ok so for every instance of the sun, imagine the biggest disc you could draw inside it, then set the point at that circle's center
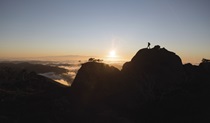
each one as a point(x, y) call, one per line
point(112, 54)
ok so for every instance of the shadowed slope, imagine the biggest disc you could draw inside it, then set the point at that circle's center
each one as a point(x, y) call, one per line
point(28, 97)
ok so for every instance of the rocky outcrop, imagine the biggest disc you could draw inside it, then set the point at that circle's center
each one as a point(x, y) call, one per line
point(94, 83)
point(153, 87)
point(205, 66)
point(155, 71)
point(92, 92)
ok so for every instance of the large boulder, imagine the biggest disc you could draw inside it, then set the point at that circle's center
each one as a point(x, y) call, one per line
point(155, 71)
point(94, 83)
point(93, 92)
point(148, 80)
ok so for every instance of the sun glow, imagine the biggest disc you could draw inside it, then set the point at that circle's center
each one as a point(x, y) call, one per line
point(112, 54)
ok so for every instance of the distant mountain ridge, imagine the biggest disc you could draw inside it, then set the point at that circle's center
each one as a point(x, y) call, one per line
point(48, 58)
point(38, 68)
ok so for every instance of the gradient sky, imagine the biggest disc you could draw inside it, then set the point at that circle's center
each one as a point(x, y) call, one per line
point(94, 27)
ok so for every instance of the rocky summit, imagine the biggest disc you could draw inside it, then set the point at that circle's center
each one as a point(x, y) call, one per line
point(155, 71)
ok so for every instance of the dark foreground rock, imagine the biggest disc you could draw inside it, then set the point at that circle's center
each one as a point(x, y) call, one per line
point(153, 87)
point(92, 91)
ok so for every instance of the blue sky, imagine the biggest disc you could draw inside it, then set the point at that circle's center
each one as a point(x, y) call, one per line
point(94, 27)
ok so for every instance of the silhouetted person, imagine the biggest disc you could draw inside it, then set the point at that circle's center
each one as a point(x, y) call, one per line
point(148, 46)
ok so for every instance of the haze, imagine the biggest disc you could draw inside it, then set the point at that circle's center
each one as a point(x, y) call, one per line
point(97, 27)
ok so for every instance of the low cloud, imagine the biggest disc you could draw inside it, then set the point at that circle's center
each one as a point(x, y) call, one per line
point(65, 78)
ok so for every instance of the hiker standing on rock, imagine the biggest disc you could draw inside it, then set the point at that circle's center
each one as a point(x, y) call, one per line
point(148, 46)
